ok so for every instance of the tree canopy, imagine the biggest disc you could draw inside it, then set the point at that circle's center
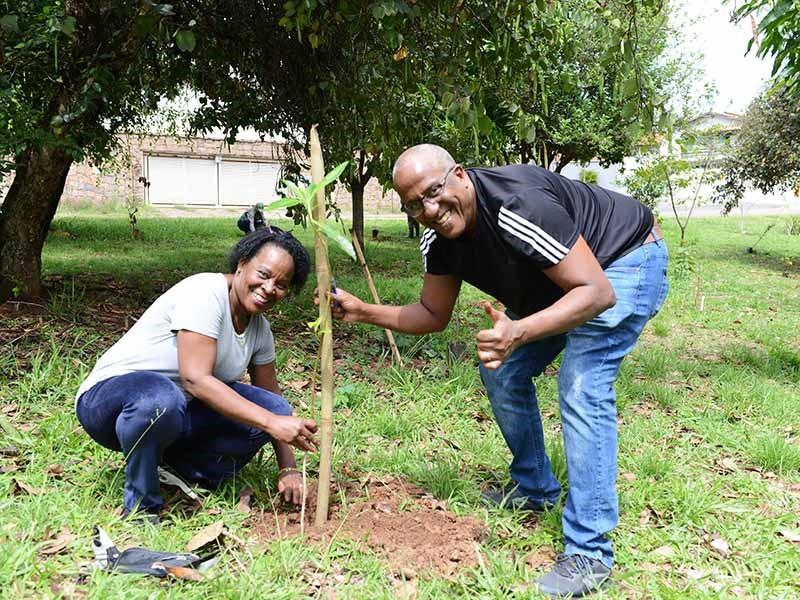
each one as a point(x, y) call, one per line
point(376, 75)
point(493, 82)
point(766, 153)
point(778, 36)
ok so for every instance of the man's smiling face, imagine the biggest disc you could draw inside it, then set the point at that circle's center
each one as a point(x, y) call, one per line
point(438, 196)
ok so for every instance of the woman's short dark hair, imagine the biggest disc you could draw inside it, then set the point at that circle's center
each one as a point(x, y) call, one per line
point(251, 244)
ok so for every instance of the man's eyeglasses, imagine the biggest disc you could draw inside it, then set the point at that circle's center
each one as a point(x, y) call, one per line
point(415, 208)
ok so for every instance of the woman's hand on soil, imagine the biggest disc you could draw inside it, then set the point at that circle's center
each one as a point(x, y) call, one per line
point(294, 431)
point(290, 484)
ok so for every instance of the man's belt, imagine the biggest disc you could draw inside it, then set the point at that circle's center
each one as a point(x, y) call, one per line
point(654, 235)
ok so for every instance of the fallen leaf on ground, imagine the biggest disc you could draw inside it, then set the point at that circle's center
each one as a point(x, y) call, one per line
point(728, 465)
point(628, 476)
point(55, 470)
point(18, 486)
point(9, 451)
point(791, 535)
point(693, 574)
point(404, 588)
point(297, 385)
point(540, 557)
point(205, 536)
point(645, 516)
point(721, 546)
point(664, 552)
point(244, 500)
point(737, 591)
point(653, 568)
point(64, 539)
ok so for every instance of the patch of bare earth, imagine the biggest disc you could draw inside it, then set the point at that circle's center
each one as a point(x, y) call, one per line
point(413, 531)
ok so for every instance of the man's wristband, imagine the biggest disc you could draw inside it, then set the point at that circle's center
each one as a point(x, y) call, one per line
point(285, 470)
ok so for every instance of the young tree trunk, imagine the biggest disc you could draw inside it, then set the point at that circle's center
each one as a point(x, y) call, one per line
point(562, 162)
point(326, 352)
point(25, 218)
point(357, 191)
point(358, 183)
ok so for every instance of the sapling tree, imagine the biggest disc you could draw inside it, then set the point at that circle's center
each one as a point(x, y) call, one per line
point(312, 198)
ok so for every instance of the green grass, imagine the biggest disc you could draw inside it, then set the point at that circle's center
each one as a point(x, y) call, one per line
point(709, 427)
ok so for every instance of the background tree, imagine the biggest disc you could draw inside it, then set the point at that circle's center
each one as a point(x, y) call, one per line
point(581, 98)
point(383, 75)
point(72, 75)
point(767, 151)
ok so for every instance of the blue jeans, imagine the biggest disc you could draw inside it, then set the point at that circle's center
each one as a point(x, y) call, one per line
point(593, 353)
point(146, 417)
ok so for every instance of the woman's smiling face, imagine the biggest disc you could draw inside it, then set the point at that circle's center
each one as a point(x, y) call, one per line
point(264, 280)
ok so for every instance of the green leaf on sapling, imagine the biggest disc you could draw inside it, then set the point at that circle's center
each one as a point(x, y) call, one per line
point(284, 203)
point(334, 234)
point(185, 40)
point(10, 23)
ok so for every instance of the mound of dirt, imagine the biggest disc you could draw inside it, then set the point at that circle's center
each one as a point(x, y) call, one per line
point(410, 528)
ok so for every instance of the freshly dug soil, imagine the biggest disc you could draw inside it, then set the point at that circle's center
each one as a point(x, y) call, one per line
point(411, 529)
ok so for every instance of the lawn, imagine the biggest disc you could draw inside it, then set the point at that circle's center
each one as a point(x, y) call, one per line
point(709, 475)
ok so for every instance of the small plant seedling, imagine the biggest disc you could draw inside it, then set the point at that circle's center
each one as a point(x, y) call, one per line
point(312, 198)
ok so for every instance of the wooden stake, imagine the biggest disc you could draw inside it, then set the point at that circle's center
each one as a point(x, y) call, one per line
point(375, 298)
point(326, 362)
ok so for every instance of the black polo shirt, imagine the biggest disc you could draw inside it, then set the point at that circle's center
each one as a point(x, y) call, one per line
point(528, 219)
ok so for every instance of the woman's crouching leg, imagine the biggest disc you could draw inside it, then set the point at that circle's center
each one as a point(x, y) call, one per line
point(140, 414)
point(215, 447)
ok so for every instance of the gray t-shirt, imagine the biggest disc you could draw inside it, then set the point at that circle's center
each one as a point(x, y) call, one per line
point(199, 303)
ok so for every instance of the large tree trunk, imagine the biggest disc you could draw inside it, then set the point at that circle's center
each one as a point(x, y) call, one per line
point(25, 218)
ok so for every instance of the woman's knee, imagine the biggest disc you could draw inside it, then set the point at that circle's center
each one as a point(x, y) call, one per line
point(155, 402)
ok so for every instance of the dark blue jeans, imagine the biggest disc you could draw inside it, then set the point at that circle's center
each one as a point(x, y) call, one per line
point(593, 353)
point(146, 417)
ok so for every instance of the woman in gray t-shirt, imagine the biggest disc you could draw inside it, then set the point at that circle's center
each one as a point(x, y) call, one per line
point(168, 391)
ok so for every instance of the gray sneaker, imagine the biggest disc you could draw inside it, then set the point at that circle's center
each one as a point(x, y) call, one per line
point(511, 498)
point(573, 576)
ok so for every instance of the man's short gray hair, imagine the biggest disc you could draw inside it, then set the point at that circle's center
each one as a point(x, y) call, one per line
point(426, 153)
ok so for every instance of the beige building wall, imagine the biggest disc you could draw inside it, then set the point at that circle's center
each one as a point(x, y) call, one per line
point(118, 179)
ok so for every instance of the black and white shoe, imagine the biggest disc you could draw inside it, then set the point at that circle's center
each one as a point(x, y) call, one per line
point(573, 576)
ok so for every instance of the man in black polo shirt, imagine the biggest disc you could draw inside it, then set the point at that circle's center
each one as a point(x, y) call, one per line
point(580, 269)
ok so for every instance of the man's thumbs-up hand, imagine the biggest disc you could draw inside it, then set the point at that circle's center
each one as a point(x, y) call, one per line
point(497, 344)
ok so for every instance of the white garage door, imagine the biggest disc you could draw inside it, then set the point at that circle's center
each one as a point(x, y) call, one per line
point(245, 183)
point(176, 180)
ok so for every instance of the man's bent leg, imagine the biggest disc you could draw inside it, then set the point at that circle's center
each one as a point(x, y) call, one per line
point(512, 394)
point(591, 362)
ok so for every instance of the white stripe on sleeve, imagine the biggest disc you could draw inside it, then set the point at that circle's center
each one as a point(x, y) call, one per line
point(426, 241)
point(532, 234)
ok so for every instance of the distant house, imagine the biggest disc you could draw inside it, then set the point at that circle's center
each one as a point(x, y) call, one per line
point(712, 133)
point(165, 170)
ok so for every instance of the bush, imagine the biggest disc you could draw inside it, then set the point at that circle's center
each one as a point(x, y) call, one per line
point(588, 176)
